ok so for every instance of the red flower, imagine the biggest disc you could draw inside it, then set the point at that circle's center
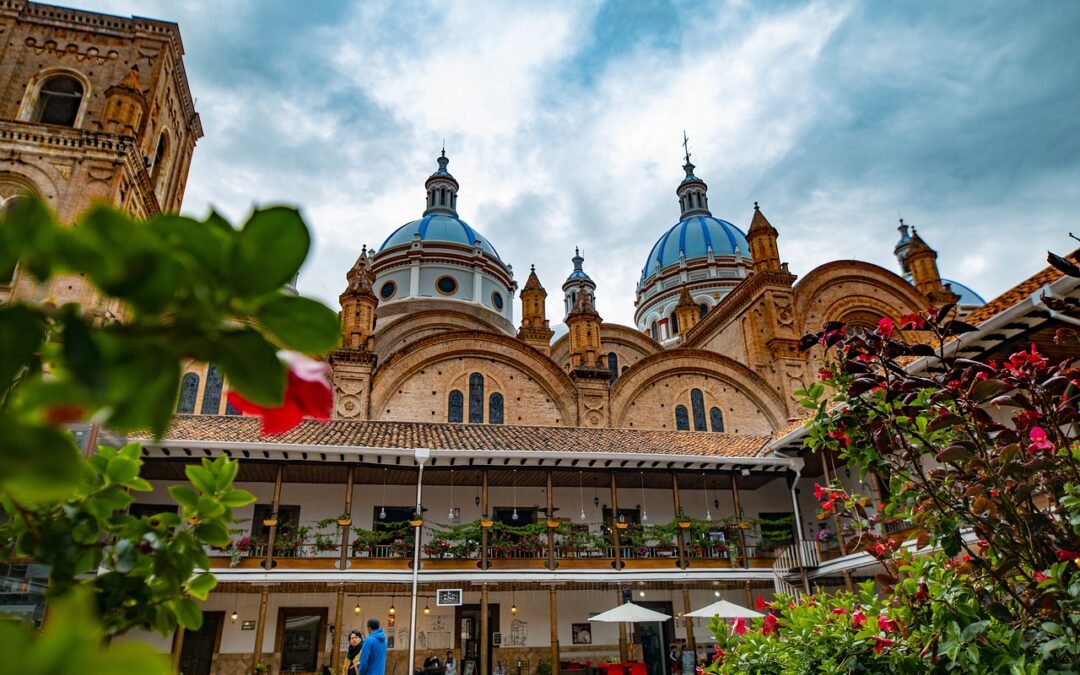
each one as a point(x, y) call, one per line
point(858, 619)
point(912, 322)
point(768, 626)
point(826, 506)
point(885, 327)
point(738, 626)
point(1040, 577)
point(840, 435)
point(759, 604)
point(881, 643)
point(307, 394)
point(839, 610)
point(819, 492)
point(886, 624)
point(1065, 556)
point(719, 655)
point(825, 374)
point(1039, 441)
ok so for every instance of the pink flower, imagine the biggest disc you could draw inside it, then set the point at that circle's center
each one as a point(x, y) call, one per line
point(738, 626)
point(307, 394)
point(885, 327)
point(819, 492)
point(858, 619)
point(1040, 577)
point(912, 322)
point(839, 611)
point(768, 626)
point(1039, 441)
point(881, 643)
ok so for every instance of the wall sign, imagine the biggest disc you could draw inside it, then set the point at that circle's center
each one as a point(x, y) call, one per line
point(448, 597)
point(247, 625)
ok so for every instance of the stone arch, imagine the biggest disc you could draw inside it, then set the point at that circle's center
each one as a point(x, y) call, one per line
point(33, 92)
point(405, 383)
point(401, 333)
point(844, 287)
point(741, 388)
point(629, 343)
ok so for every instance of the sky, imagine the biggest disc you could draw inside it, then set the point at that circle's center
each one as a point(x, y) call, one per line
point(564, 126)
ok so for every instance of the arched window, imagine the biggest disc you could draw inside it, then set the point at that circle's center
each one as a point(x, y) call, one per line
point(655, 330)
point(613, 365)
point(476, 398)
point(495, 409)
point(158, 167)
point(58, 101)
point(674, 324)
point(9, 196)
point(697, 404)
point(189, 389)
point(456, 407)
point(682, 421)
point(703, 309)
point(717, 420)
point(211, 400)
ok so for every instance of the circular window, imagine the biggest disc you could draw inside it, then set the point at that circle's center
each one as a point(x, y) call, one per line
point(446, 285)
point(496, 299)
point(387, 291)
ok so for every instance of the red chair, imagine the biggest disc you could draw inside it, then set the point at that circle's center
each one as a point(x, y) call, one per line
point(638, 669)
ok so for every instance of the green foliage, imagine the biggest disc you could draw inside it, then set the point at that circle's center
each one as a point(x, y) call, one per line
point(172, 289)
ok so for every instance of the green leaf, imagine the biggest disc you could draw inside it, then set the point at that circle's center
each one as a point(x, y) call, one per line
point(237, 498)
point(301, 324)
point(252, 366)
point(21, 333)
point(184, 496)
point(37, 464)
point(122, 469)
point(225, 470)
point(268, 252)
point(213, 533)
point(201, 586)
point(201, 478)
point(188, 614)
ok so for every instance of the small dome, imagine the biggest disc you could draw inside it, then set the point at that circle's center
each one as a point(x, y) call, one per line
point(692, 239)
point(968, 297)
point(437, 227)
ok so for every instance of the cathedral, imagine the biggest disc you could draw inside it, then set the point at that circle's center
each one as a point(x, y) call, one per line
point(480, 455)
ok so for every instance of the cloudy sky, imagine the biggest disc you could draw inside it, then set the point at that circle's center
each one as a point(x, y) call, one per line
point(564, 125)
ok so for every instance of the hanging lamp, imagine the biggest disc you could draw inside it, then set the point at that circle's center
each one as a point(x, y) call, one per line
point(705, 484)
point(450, 513)
point(581, 494)
point(382, 510)
point(514, 515)
point(644, 511)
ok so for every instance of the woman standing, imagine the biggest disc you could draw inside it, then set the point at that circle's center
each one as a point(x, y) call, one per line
point(352, 657)
point(450, 664)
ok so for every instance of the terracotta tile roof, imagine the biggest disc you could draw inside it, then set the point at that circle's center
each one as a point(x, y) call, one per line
point(1018, 292)
point(792, 425)
point(465, 437)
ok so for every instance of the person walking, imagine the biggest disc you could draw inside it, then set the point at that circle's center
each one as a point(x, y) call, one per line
point(373, 652)
point(674, 660)
point(352, 657)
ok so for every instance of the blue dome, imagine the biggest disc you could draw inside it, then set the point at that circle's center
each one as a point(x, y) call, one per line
point(439, 228)
point(968, 297)
point(692, 238)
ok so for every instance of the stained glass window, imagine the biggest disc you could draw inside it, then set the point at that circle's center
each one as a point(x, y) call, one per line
point(456, 407)
point(476, 398)
point(495, 409)
point(211, 401)
point(189, 389)
point(717, 419)
point(613, 365)
point(682, 420)
point(697, 403)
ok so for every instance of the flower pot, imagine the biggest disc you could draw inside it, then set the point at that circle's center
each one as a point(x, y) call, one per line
point(552, 524)
point(269, 522)
point(744, 526)
point(487, 523)
point(684, 524)
point(621, 526)
point(344, 522)
point(417, 522)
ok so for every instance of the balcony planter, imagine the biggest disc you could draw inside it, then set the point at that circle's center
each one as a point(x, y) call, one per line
point(684, 524)
point(622, 526)
point(553, 524)
point(416, 522)
point(486, 523)
point(269, 522)
point(344, 522)
point(745, 526)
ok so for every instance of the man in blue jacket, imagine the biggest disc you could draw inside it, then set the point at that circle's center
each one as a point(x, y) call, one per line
point(373, 653)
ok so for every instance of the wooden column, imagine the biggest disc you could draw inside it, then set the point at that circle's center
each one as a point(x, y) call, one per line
point(269, 562)
point(738, 519)
point(260, 627)
point(178, 648)
point(615, 524)
point(335, 644)
point(624, 655)
point(554, 631)
point(484, 531)
point(749, 595)
point(343, 561)
point(551, 564)
point(691, 641)
point(680, 537)
point(485, 667)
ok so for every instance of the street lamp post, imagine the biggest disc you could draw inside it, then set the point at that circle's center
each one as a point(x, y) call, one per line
point(421, 455)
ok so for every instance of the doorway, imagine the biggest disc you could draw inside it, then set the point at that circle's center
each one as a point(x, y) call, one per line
point(197, 652)
point(301, 638)
point(468, 618)
point(656, 638)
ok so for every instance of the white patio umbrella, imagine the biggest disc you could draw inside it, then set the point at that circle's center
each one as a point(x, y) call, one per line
point(725, 610)
point(630, 613)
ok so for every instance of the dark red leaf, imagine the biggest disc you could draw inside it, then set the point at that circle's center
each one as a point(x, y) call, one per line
point(807, 342)
point(954, 453)
point(1066, 267)
point(957, 327)
point(944, 312)
point(987, 389)
point(920, 349)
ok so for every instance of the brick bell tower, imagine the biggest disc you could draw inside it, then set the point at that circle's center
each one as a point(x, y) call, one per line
point(535, 330)
point(355, 360)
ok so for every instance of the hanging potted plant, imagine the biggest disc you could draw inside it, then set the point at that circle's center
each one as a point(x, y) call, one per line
point(417, 520)
point(345, 519)
point(270, 520)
